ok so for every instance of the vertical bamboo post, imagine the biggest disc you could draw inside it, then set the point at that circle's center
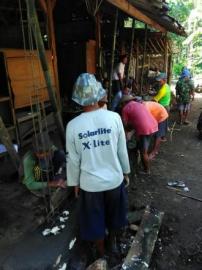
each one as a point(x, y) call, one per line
point(52, 41)
point(34, 23)
point(6, 141)
point(131, 47)
point(166, 55)
point(98, 39)
point(170, 68)
point(143, 59)
point(137, 62)
point(112, 56)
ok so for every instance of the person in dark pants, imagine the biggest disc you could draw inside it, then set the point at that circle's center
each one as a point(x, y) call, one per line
point(118, 81)
point(43, 166)
point(97, 164)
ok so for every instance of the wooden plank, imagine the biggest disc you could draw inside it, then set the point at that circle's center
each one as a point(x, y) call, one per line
point(91, 56)
point(43, 5)
point(139, 255)
point(125, 6)
point(6, 140)
point(2, 99)
point(26, 76)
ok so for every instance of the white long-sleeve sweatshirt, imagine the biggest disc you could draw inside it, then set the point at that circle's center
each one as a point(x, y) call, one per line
point(97, 154)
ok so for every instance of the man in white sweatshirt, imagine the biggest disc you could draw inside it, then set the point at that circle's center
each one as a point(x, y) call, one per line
point(97, 163)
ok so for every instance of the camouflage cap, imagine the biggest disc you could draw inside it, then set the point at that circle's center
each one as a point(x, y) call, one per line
point(161, 76)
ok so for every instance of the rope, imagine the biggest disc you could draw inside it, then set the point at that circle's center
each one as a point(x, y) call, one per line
point(36, 107)
point(93, 6)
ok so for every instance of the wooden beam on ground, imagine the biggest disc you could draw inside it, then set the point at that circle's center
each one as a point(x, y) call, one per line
point(125, 6)
point(6, 141)
point(140, 253)
point(188, 196)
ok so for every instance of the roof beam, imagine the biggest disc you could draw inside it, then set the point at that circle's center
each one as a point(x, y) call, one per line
point(125, 6)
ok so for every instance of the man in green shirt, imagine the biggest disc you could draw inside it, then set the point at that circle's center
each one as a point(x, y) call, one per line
point(163, 97)
point(43, 166)
point(184, 94)
point(164, 94)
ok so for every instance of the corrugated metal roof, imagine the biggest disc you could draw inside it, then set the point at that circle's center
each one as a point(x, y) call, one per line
point(158, 11)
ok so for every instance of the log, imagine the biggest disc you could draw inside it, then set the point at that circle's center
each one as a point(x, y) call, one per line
point(135, 216)
point(140, 253)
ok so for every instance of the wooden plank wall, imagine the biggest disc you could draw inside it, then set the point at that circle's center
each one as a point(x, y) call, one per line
point(26, 76)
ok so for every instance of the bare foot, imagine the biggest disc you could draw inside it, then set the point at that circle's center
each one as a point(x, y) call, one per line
point(152, 156)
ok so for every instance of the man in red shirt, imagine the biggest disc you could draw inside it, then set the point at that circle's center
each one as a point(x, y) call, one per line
point(136, 116)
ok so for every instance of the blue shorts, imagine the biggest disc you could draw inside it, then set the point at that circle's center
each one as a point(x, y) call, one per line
point(100, 211)
point(184, 107)
point(162, 129)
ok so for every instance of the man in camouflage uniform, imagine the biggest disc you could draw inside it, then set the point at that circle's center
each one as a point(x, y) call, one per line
point(184, 95)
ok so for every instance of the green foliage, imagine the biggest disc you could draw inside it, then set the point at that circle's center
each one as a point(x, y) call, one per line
point(177, 68)
point(181, 9)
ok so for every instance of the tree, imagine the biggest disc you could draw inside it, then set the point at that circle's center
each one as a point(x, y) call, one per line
point(180, 9)
point(188, 50)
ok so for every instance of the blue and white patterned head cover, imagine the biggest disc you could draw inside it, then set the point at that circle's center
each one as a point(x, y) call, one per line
point(185, 73)
point(87, 90)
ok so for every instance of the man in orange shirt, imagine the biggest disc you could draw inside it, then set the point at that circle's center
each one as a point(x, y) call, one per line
point(161, 116)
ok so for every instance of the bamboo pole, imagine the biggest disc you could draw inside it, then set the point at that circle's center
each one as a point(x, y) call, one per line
point(52, 41)
point(137, 62)
point(6, 141)
point(98, 39)
point(143, 59)
point(112, 57)
point(166, 55)
point(33, 20)
point(131, 47)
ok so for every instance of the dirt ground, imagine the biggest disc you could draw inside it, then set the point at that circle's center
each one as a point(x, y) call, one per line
point(179, 245)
